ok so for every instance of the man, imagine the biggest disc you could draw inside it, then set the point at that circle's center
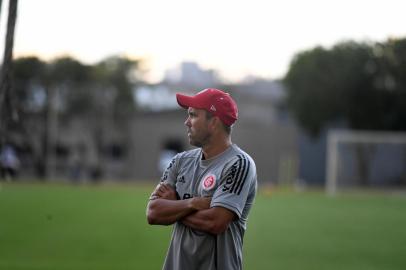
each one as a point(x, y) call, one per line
point(206, 192)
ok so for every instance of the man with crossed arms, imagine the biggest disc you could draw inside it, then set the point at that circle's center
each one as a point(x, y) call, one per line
point(206, 192)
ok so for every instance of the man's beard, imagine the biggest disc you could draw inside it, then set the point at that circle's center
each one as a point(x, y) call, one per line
point(200, 142)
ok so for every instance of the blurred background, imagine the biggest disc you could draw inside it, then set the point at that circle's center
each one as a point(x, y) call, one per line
point(87, 96)
point(88, 89)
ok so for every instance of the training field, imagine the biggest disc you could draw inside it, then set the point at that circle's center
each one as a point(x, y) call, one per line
point(58, 227)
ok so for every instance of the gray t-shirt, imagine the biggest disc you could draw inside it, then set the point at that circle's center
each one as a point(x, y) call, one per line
point(231, 179)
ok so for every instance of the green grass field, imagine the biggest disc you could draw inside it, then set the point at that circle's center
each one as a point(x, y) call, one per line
point(104, 227)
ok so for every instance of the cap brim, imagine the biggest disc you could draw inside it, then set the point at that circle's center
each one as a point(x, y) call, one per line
point(185, 101)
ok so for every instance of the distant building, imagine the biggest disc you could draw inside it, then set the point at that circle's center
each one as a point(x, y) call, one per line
point(190, 74)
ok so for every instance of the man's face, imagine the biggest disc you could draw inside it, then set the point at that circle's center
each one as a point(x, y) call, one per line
point(197, 127)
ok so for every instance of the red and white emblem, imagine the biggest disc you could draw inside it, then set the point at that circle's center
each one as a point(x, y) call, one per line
point(209, 181)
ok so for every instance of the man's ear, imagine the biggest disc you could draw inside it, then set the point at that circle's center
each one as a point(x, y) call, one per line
point(216, 122)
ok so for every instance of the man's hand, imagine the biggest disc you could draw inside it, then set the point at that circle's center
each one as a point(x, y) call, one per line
point(163, 191)
point(200, 203)
point(164, 208)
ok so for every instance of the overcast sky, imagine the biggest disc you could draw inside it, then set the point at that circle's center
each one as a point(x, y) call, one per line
point(238, 38)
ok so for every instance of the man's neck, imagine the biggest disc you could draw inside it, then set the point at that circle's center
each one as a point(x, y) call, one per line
point(212, 150)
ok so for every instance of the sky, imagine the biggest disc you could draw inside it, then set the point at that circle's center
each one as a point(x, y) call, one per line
point(237, 38)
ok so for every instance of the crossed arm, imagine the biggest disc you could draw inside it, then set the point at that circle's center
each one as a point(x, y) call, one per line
point(164, 209)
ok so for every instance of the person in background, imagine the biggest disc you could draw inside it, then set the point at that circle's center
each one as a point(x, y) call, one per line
point(9, 163)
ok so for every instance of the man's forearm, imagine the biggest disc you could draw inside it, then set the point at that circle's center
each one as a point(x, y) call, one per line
point(164, 209)
point(214, 220)
point(166, 212)
point(200, 220)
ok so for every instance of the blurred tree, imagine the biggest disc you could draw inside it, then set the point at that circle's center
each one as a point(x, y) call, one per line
point(390, 80)
point(117, 76)
point(64, 77)
point(362, 84)
point(68, 87)
point(115, 80)
point(29, 78)
point(359, 83)
point(56, 93)
point(29, 74)
point(319, 80)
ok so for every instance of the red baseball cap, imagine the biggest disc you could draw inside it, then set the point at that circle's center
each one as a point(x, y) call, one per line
point(213, 100)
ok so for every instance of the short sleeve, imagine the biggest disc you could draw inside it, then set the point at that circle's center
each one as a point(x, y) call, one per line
point(235, 185)
point(170, 174)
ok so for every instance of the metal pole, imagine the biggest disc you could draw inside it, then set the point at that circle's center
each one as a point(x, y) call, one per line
point(331, 185)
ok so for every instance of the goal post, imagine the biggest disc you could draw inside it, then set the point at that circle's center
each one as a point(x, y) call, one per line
point(337, 139)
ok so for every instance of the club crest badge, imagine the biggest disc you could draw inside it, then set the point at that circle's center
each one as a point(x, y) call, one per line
point(209, 181)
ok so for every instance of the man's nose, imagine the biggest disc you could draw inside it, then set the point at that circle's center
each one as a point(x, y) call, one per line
point(187, 122)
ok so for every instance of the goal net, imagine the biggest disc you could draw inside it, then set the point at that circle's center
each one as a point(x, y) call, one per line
point(364, 159)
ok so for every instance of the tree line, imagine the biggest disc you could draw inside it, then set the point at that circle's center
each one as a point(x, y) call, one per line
point(49, 94)
point(361, 84)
